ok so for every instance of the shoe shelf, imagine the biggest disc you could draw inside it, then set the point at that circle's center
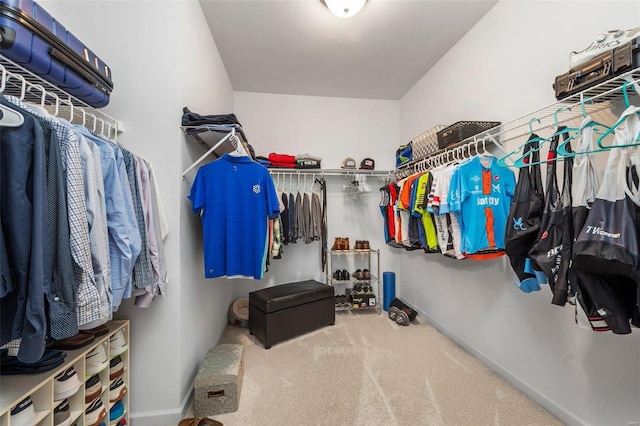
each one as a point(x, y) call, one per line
point(352, 252)
point(349, 292)
point(41, 388)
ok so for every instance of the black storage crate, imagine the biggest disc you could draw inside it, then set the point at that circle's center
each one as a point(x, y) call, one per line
point(462, 130)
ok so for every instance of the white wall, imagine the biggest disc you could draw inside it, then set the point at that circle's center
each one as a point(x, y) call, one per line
point(331, 128)
point(162, 58)
point(502, 69)
point(204, 88)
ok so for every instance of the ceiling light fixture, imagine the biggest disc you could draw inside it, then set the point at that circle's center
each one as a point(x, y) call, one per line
point(344, 8)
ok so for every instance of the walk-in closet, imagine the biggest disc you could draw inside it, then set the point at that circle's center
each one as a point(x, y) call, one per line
point(262, 148)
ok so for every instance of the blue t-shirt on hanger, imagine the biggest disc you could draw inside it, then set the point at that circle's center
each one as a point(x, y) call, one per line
point(235, 198)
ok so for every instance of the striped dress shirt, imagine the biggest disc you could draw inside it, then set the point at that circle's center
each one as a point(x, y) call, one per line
point(97, 233)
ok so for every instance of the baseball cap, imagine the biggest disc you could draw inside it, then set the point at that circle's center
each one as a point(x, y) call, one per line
point(367, 164)
point(348, 163)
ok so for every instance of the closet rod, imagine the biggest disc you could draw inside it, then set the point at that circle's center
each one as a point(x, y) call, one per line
point(206, 154)
point(331, 172)
point(28, 87)
point(447, 156)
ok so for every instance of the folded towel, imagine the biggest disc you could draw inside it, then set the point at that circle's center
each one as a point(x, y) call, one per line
point(282, 158)
point(308, 157)
point(307, 164)
point(275, 164)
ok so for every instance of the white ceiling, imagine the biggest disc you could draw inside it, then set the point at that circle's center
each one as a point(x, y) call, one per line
point(298, 47)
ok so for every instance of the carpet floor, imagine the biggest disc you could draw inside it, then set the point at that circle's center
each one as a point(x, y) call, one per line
point(367, 370)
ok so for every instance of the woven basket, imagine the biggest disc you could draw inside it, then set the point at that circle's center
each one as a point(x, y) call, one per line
point(426, 143)
point(462, 130)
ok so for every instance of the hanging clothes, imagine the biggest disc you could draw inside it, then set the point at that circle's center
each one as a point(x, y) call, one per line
point(586, 184)
point(606, 249)
point(551, 253)
point(124, 236)
point(429, 239)
point(23, 191)
point(480, 195)
point(64, 209)
point(445, 221)
point(525, 216)
point(235, 197)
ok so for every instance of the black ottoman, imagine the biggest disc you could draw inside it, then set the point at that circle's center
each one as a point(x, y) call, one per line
point(284, 311)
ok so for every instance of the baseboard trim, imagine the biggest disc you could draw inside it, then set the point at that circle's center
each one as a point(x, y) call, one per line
point(559, 412)
point(162, 417)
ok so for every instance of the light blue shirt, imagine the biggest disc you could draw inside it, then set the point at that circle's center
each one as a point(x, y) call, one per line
point(124, 237)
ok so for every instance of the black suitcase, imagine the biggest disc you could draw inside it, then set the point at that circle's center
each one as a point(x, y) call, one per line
point(32, 38)
point(599, 69)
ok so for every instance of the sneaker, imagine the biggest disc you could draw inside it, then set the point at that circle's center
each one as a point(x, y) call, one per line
point(62, 414)
point(606, 41)
point(96, 360)
point(94, 413)
point(66, 384)
point(92, 389)
point(116, 368)
point(116, 413)
point(23, 414)
point(345, 275)
point(117, 390)
point(117, 344)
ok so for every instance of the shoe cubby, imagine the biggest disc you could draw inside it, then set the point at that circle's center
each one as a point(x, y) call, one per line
point(40, 387)
point(42, 404)
point(76, 405)
point(354, 274)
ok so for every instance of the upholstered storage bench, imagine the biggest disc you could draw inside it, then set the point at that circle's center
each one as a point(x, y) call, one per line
point(288, 310)
point(216, 389)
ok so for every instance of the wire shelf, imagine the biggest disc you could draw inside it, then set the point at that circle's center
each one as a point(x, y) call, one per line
point(19, 82)
point(597, 98)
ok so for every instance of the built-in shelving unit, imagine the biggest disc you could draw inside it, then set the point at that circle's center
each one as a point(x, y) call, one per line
point(40, 386)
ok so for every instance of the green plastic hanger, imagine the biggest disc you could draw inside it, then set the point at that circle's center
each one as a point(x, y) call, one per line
point(502, 161)
point(522, 161)
point(562, 151)
point(617, 123)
